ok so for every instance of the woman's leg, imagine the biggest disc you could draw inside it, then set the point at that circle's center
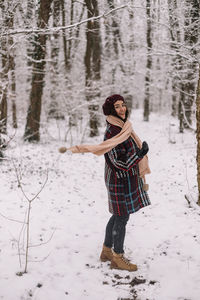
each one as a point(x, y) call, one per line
point(108, 242)
point(118, 233)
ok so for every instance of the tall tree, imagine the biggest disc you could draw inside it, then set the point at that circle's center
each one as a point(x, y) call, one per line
point(149, 62)
point(174, 44)
point(70, 46)
point(191, 37)
point(67, 45)
point(4, 71)
point(198, 136)
point(71, 42)
point(177, 61)
point(8, 65)
point(54, 109)
point(29, 21)
point(113, 44)
point(93, 64)
point(38, 73)
point(12, 73)
point(184, 40)
point(13, 91)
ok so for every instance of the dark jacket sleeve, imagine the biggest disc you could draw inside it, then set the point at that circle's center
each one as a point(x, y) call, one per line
point(122, 159)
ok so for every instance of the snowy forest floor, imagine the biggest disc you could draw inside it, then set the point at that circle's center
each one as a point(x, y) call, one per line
point(68, 221)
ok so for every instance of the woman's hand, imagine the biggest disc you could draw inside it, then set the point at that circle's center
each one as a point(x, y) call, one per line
point(143, 151)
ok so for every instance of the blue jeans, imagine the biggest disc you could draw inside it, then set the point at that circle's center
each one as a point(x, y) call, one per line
point(115, 233)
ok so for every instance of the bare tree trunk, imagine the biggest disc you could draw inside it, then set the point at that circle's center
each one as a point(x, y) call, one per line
point(192, 23)
point(114, 29)
point(178, 85)
point(93, 65)
point(69, 48)
point(64, 34)
point(77, 32)
point(149, 63)
point(38, 73)
point(7, 55)
point(3, 109)
point(70, 35)
point(129, 69)
point(30, 39)
point(4, 88)
point(198, 136)
point(66, 47)
point(55, 109)
point(175, 38)
point(180, 112)
point(3, 76)
point(13, 93)
point(113, 41)
point(12, 79)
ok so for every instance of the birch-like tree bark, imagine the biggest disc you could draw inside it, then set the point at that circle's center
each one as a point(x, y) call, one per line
point(38, 74)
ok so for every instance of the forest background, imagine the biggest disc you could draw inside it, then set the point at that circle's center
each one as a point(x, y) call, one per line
point(61, 59)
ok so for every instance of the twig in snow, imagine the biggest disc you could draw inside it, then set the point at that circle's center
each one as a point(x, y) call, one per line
point(27, 217)
point(188, 201)
point(10, 219)
point(41, 244)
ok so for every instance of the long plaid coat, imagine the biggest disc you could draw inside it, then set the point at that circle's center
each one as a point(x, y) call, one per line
point(124, 185)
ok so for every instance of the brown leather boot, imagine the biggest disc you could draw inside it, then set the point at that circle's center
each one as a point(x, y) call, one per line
point(122, 263)
point(106, 254)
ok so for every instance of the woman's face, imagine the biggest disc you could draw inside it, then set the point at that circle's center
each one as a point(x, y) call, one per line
point(120, 108)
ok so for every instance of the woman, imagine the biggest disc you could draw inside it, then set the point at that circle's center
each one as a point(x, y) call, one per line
point(126, 164)
point(125, 187)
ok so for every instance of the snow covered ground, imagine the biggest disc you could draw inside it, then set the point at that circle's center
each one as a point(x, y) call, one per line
point(69, 216)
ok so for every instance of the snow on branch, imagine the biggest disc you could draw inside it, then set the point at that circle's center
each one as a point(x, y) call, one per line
point(60, 28)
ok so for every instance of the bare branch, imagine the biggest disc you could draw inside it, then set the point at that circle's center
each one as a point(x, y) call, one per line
point(60, 28)
point(44, 258)
point(27, 217)
point(10, 219)
point(5, 144)
point(18, 242)
point(41, 244)
point(42, 187)
point(21, 187)
point(185, 118)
